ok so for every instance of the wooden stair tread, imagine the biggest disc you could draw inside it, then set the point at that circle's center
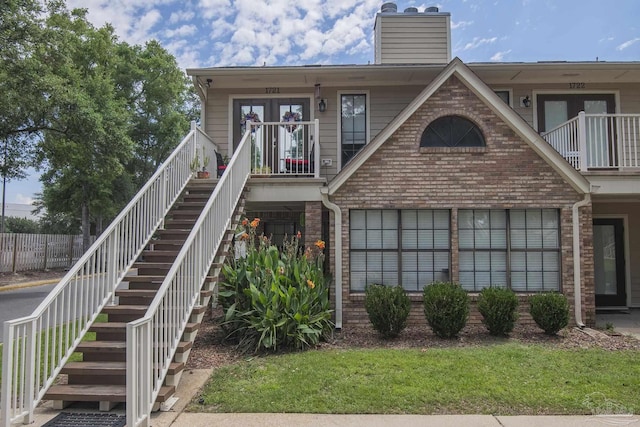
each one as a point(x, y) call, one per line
point(102, 346)
point(125, 309)
point(95, 368)
point(96, 393)
point(104, 326)
point(155, 278)
point(136, 292)
point(149, 264)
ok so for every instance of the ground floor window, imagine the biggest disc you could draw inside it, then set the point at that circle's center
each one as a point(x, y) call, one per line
point(406, 247)
point(516, 248)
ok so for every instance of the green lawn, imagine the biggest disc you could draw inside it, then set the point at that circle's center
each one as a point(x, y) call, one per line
point(500, 379)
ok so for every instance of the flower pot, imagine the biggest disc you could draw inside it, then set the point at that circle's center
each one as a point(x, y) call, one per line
point(203, 174)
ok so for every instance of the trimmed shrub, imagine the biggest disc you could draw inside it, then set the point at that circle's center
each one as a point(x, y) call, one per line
point(446, 307)
point(388, 308)
point(274, 299)
point(550, 310)
point(499, 309)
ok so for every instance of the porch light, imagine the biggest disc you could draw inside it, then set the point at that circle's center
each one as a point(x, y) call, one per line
point(322, 106)
point(526, 101)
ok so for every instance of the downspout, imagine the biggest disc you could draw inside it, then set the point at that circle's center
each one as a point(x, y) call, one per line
point(577, 292)
point(337, 213)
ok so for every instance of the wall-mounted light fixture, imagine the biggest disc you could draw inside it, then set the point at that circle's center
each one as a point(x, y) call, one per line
point(525, 101)
point(322, 103)
point(209, 81)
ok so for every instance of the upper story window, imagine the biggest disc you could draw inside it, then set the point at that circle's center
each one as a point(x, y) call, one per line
point(452, 131)
point(353, 126)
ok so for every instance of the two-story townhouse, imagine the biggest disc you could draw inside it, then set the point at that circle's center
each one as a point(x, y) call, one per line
point(420, 168)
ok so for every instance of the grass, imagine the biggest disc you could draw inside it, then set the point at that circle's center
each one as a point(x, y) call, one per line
point(500, 379)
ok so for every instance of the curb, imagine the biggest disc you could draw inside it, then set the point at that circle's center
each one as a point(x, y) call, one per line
point(29, 284)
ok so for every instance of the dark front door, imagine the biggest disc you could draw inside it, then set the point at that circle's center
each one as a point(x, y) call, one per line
point(271, 145)
point(608, 254)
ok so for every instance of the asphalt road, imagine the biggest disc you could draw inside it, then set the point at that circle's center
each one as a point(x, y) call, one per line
point(21, 302)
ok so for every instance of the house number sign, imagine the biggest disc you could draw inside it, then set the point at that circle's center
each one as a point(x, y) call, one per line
point(577, 85)
point(272, 90)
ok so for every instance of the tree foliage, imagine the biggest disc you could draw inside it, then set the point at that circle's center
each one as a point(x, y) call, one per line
point(100, 114)
point(21, 225)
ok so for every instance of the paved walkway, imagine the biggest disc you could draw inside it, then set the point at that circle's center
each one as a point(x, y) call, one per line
point(193, 380)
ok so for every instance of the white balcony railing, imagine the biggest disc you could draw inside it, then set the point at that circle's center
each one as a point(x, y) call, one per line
point(36, 347)
point(598, 141)
point(285, 149)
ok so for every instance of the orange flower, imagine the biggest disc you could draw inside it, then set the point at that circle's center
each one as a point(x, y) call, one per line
point(299, 235)
point(244, 236)
point(319, 244)
point(245, 222)
point(311, 284)
point(255, 222)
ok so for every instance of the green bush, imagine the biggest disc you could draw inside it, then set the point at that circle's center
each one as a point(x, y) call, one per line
point(275, 299)
point(388, 308)
point(499, 309)
point(550, 311)
point(446, 307)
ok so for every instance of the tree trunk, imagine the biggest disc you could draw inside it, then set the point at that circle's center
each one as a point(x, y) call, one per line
point(99, 226)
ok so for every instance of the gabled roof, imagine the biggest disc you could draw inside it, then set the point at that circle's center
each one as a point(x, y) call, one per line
point(457, 68)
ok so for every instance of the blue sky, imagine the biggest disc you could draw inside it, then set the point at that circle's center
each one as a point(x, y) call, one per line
point(205, 33)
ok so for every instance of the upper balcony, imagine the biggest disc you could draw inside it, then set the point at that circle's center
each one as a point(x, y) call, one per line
point(599, 142)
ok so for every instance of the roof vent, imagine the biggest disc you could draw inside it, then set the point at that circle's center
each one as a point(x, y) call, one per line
point(411, 10)
point(432, 9)
point(389, 8)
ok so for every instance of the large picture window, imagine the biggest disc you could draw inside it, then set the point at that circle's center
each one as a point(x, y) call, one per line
point(452, 131)
point(518, 248)
point(407, 247)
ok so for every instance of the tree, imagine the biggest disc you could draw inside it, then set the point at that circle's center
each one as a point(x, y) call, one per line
point(21, 78)
point(161, 101)
point(22, 225)
point(86, 143)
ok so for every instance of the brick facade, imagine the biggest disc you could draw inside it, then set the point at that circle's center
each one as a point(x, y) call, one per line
point(506, 174)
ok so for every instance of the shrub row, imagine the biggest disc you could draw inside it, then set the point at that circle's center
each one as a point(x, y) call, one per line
point(446, 308)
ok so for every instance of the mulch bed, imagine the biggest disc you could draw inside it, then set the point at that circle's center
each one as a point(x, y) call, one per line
point(210, 350)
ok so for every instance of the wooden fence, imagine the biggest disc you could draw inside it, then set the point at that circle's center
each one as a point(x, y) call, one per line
point(23, 252)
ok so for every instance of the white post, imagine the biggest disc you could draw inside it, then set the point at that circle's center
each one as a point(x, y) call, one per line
point(7, 375)
point(582, 141)
point(316, 151)
point(30, 371)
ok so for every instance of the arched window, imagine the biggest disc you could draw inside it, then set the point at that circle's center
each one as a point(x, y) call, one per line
point(452, 131)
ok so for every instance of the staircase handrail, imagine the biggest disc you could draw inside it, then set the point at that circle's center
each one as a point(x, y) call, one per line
point(37, 346)
point(153, 339)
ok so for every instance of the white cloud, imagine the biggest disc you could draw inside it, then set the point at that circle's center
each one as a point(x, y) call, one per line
point(628, 43)
point(22, 199)
point(182, 31)
point(499, 56)
point(460, 24)
point(181, 16)
point(477, 42)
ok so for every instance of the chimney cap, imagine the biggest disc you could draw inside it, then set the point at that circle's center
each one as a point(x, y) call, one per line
point(432, 9)
point(411, 10)
point(389, 7)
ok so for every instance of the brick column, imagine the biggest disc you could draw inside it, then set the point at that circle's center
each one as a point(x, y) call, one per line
point(312, 222)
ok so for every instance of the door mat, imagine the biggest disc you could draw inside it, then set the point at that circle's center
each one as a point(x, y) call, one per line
point(73, 419)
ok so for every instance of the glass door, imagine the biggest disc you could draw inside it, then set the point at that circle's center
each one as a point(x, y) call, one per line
point(273, 144)
point(609, 265)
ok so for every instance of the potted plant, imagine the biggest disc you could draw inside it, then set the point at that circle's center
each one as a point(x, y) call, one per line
point(200, 169)
point(262, 171)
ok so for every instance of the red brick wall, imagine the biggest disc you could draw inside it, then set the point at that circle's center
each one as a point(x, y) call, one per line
point(506, 174)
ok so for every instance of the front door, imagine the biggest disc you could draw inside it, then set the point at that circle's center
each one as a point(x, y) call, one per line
point(609, 267)
point(554, 110)
point(270, 147)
